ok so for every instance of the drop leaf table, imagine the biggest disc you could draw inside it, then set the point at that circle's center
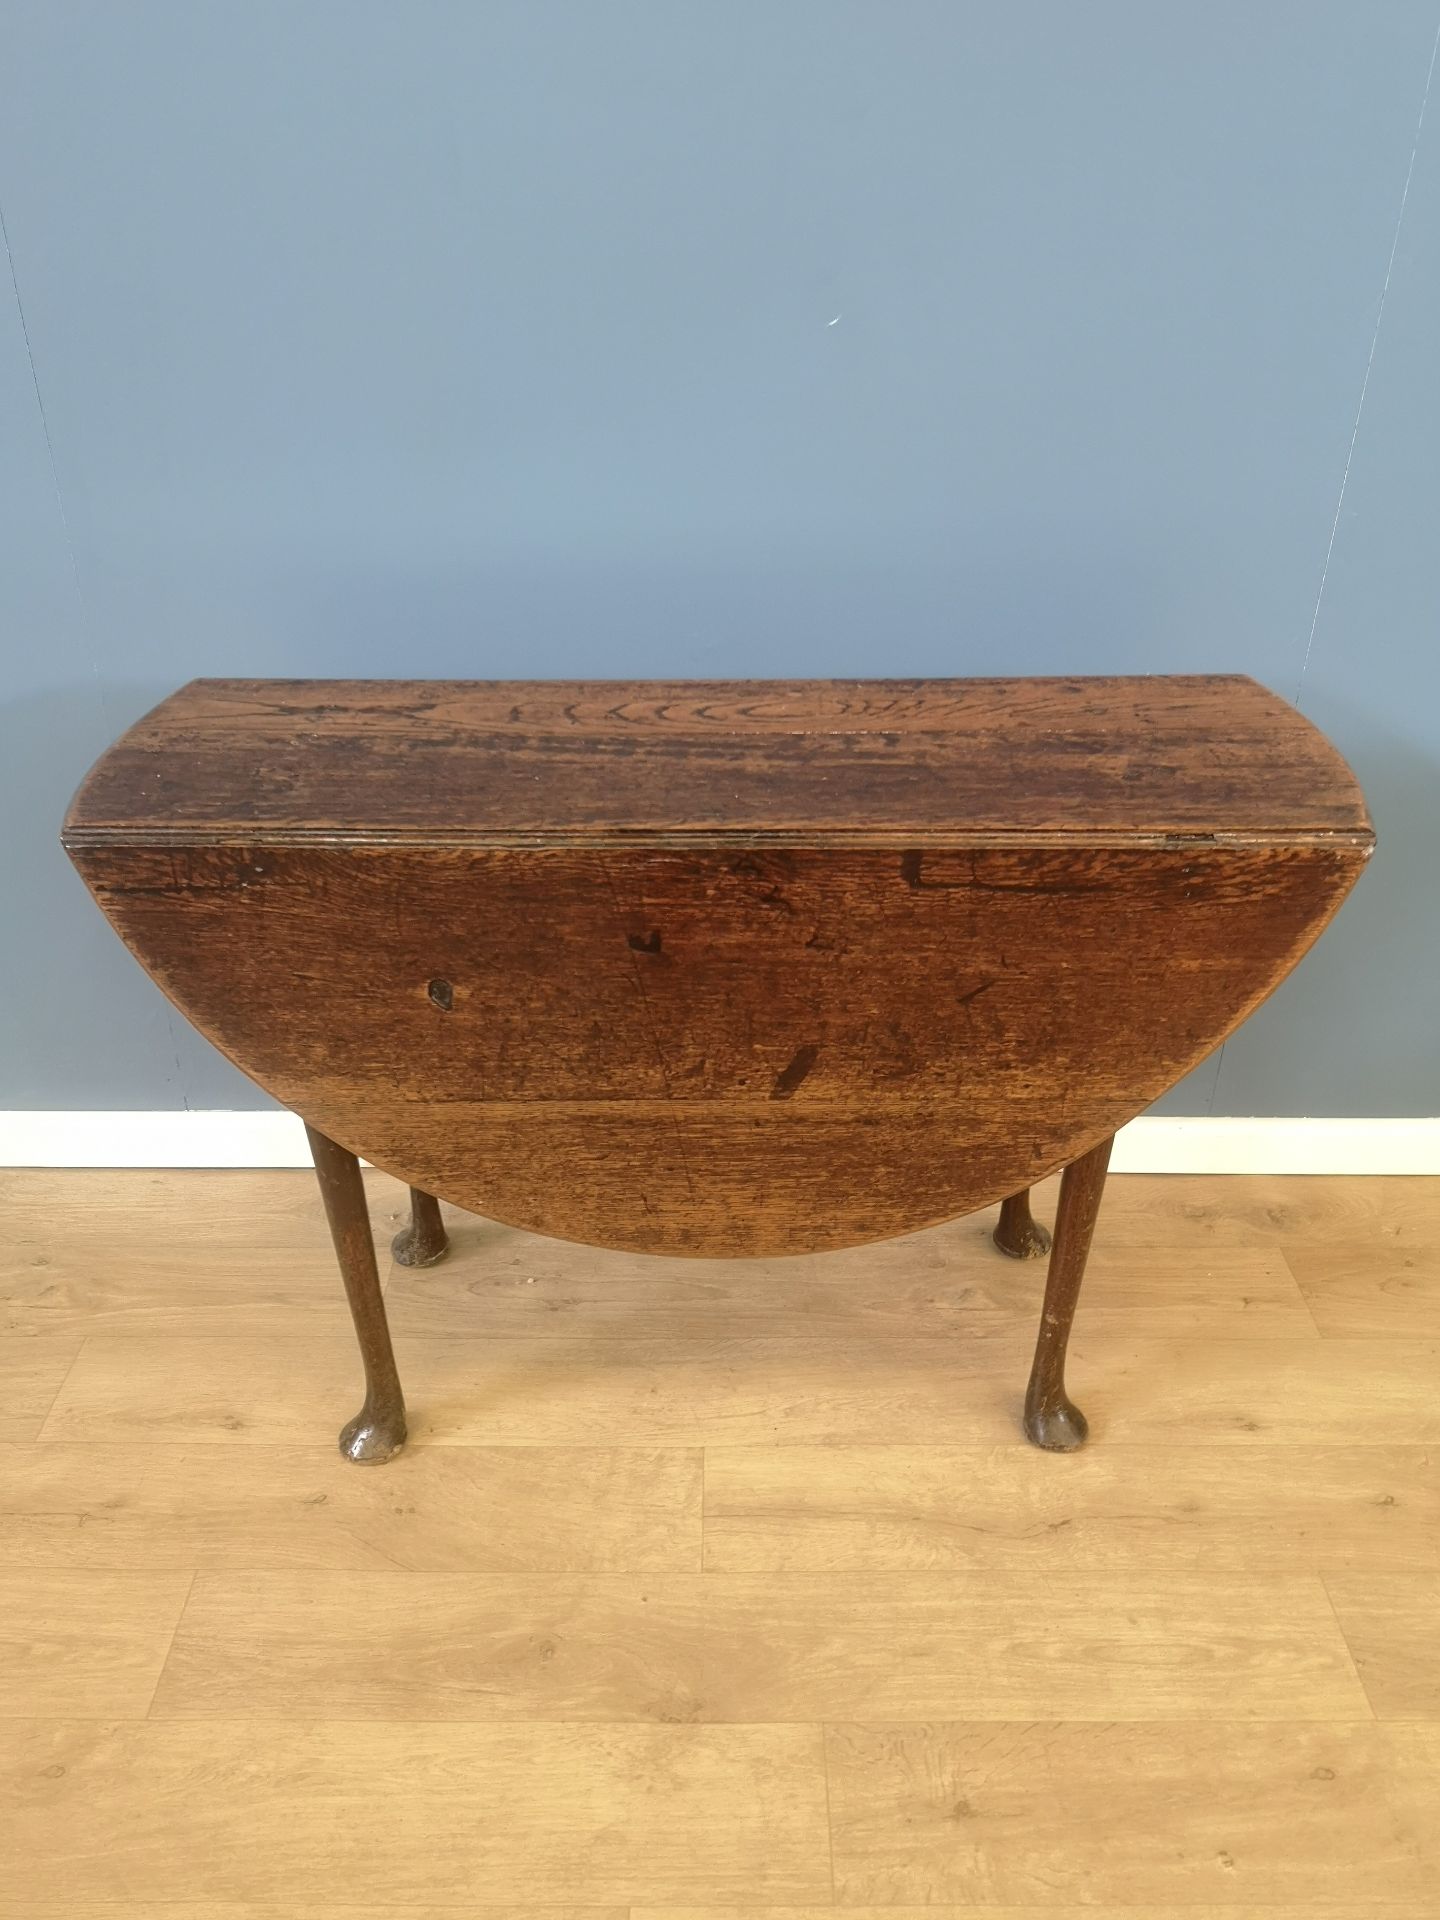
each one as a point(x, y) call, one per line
point(754, 967)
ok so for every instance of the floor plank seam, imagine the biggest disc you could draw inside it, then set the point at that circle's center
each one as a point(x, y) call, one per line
point(149, 1713)
point(829, 1817)
point(701, 1566)
point(1354, 1662)
point(1300, 1289)
point(54, 1399)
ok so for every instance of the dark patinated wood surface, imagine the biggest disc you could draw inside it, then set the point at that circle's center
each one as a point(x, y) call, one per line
point(716, 1051)
point(1017, 1231)
point(869, 762)
point(720, 969)
point(378, 1431)
point(423, 1242)
point(1052, 1420)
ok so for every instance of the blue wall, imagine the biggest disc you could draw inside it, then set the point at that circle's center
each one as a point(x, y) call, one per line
point(766, 337)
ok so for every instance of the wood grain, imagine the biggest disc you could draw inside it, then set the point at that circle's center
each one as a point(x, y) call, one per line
point(942, 1281)
point(506, 760)
point(140, 1212)
point(759, 1390)
point(1268, 1390)
point(251, 1910)
point(1047, 1911)
point(1133, 1814)
point(710, 968)
point(88, 1251)
point(756, 1648)
point(92, 1251)
point(84, 1643)
point(845, 1509)
point(1390, 1622)
point(1208, 1211)
point(1353, 1287)
point(32, 1370)
point(723, 1052)
point(483, 1509)
point(248, 1910)
point(1170, 1565)
point(465, 1815)
point(552, 1392)
point(1345, 1910)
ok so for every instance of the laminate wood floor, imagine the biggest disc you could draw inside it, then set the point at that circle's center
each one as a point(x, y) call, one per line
point(719, 1590)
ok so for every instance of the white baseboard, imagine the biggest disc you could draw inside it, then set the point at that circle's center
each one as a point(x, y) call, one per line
point(1152, 1144)
point(268, 1138)
point(1157, 1143)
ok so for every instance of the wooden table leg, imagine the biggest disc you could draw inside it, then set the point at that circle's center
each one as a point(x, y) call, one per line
point(424, 1241)
point(1052, 1420)
point(378, 1430)
point(1019, 1233)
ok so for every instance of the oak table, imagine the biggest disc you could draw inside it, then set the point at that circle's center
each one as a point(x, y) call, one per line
point(718, 968)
